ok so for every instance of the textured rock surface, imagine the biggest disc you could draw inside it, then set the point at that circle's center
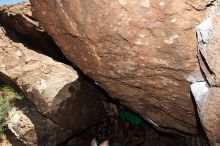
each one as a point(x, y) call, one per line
point(143, 53)
point(209, 54)
point(210, 114)
point(19, 19)
point(53, 87)
point(33, 129)
point(209, 59)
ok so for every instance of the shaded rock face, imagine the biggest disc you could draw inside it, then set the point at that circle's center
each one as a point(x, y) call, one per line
point(143, 53)
point(155, 138)
point(19, 19)
point(83, 104)
point(9, 139)
point(53, 87)
point(33, 129)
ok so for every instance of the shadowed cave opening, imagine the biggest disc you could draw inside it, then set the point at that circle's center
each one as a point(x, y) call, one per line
point(154, 137)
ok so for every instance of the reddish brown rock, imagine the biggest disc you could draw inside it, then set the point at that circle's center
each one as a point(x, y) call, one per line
point(56, 89)
point(19, 19)
point(209, 54)
point(143, 53)
point(209, 59)
point(210, 114)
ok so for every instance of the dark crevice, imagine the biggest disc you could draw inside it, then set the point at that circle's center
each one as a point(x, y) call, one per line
point(202, 59)
point(210, 4)
point(204, 76)
point(203, 8)
point(205, 63)
point(29, 34)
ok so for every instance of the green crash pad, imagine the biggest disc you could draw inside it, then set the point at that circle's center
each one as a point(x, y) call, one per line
point(131, 117)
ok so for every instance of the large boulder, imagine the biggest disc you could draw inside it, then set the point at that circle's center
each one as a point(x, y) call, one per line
point(207, 94)
point(53, 87)
point(143, 53)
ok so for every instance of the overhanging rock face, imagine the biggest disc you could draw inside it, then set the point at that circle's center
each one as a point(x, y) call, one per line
point(143, 53)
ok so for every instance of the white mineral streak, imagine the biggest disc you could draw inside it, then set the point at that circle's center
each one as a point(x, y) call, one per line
point(204, 31)
point(199, 91)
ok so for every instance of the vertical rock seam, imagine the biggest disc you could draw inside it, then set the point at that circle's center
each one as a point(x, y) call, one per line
point(206, 93)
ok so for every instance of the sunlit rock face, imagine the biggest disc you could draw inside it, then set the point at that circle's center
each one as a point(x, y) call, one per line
point(143, 53)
